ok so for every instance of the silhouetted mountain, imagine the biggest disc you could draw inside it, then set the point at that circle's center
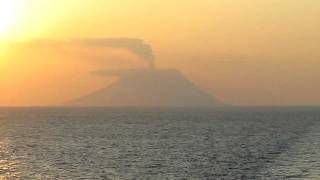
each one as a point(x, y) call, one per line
point(148, 88)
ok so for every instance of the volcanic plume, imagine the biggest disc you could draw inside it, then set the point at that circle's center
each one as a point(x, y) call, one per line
point(149, 87)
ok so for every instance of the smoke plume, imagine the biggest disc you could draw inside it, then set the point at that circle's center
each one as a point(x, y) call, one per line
point(136, 46)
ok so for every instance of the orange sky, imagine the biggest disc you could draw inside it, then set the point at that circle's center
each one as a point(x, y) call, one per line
point(245, 52)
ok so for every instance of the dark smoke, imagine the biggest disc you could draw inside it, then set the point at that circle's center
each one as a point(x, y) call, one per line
point(136, 46)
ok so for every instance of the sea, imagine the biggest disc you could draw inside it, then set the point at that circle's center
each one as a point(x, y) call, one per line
point(160, 143)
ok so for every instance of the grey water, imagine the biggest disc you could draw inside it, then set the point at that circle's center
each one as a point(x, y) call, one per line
point(150, 143)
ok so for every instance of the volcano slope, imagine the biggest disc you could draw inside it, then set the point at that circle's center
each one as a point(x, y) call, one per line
point(148, 88)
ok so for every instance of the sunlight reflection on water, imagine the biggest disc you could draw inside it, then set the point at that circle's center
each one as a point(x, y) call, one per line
point(8, 162)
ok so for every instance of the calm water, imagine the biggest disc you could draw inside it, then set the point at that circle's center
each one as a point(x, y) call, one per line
point(97, 143)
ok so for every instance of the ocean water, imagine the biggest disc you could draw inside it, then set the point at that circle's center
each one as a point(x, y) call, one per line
point(128, 143)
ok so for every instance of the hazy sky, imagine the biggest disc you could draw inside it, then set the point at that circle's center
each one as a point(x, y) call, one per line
point(245, 52)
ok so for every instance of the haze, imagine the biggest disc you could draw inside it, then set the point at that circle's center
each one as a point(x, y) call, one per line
point(244, 52)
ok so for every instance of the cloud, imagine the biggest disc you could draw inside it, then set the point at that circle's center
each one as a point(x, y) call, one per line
point(120, 72)
point(136, 46)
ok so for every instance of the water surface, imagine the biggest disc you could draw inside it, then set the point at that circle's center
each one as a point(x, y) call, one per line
point(106, 143)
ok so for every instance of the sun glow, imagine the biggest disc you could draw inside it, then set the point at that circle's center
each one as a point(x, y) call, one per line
point(10, 11)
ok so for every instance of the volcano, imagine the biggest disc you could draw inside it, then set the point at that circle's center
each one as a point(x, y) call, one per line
point(147, 88)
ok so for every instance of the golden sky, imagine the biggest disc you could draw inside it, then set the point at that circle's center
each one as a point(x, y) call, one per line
point(245, 52)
